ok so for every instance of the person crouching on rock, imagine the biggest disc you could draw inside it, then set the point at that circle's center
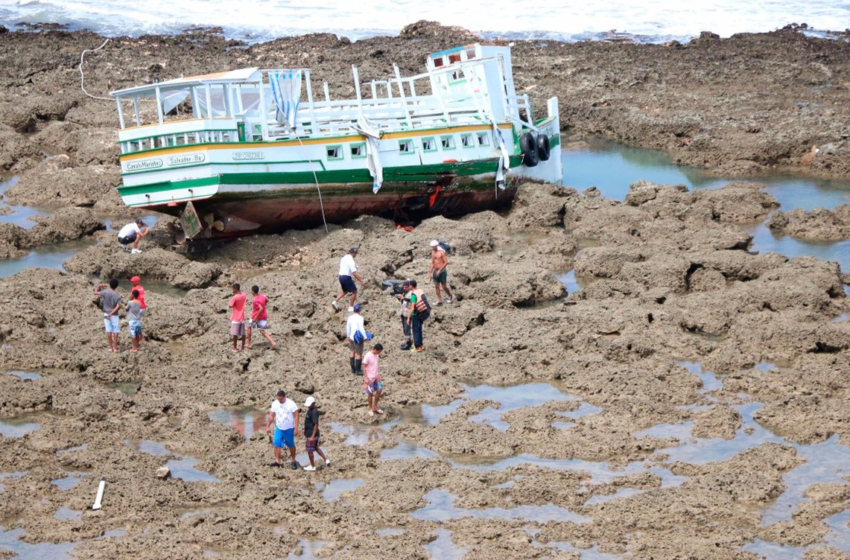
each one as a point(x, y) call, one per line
point(284, 414)
point(133, 233)
point(259, 316)
point(355, 331)
point(134, 318)
point(372, 379)
point(311, 434)
point(237, 317)
point(110, 303)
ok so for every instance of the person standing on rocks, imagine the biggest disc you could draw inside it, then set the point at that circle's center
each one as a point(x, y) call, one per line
point(311, 434)
point(404, 311)
point(420, 311)
point(137, 286)
point(134, 318)
point(284, 413)
point(133, 233)
point(347, 275)
point(259, 316)
point(355, 331)
point(237, 317)
point(110, 303)
point(438, 272)
point(372, 379)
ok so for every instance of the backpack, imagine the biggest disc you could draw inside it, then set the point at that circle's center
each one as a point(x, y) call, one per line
point(358, 337)
point(423, 308)
point(444, 245)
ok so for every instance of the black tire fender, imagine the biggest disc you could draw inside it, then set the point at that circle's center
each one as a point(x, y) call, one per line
point(528, 149)
point(543, 149)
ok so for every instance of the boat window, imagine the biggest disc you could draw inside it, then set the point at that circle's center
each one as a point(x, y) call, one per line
point(429, 145)
point(448, 142)
point(438, 62)
point(483, 139)
point(454, 57)
point(456, 76)
point(358, 150)
point(467, 141)
point(405, 146)
point(334, 152)
point(470, 54)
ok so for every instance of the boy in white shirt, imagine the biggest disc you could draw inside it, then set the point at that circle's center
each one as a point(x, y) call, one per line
point(347, 274)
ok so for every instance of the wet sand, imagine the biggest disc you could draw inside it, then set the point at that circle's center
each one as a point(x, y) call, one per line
point(688, 400)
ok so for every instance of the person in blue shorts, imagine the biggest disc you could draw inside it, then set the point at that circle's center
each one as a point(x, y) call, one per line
point(284, 414)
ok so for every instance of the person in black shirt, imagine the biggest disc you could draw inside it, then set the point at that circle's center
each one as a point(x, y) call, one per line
point(311, 433)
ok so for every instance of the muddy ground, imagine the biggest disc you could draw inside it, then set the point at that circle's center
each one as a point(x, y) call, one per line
point(666, 278)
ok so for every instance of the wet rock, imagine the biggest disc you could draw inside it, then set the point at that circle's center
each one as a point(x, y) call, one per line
point(57, 182)
point(817, 224)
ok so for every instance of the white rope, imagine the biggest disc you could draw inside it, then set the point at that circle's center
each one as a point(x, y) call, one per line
point(315, 178)
point(82, 76)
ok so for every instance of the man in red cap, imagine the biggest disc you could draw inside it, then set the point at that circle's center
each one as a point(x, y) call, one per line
point(135, 281)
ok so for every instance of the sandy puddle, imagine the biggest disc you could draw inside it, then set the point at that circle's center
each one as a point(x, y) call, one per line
point(24, 375)
point(19, 426)
point(334, 489)
point(245, 420)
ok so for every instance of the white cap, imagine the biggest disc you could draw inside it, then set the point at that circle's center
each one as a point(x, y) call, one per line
point(434, 243)
point(309, 402)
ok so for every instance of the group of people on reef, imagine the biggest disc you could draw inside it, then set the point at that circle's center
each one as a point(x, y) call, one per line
point(414, 310)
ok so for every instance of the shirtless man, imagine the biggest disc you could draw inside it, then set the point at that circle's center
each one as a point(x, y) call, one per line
point(439, 262)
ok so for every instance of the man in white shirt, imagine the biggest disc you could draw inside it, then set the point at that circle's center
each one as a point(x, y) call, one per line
point(133, 233)
point(347, 274)
point(354, 326)
point(284, 414)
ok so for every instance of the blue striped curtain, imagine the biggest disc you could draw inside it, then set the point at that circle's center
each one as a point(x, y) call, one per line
point(286, 89)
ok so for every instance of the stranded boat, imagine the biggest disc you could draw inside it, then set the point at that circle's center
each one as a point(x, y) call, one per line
point(253, 150)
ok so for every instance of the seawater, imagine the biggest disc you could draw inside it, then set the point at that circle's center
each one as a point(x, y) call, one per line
point(612, 167)
point(562, 20)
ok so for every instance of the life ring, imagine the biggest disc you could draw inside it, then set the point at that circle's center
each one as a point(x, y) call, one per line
point(543, 150)
point(528, 148)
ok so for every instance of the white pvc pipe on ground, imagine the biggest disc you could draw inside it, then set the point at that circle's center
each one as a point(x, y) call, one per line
point(99, 498)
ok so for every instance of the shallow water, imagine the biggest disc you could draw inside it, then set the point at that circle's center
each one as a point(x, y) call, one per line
point(182, 468)
point(68, 514)
point(443, 548)
point(11, 541)
point(25, 376)
point(69, 481)
point(441, 508)
point(336, 488)
point(19, 426)
point(20, 215)
point(129, 388)
point(245, 420)
point(46, 256)
point(776, 551)
point(389, 532)
point(308, 550)
point(612, 167)
point(512, 398)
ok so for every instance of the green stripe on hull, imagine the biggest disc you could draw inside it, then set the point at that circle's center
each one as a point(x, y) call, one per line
point(418, 173)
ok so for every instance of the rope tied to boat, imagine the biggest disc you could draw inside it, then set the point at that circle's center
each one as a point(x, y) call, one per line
point(82, 75)
point(318, 188)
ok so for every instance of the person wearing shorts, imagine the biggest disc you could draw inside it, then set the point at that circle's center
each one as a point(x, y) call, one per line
point(372, 385)
point(237, 317)
point(439, 271)
point(133, 233)
point(259, 316)
point(311, 434)
point(134, 318)
point(355, 329)
point(347, 275)
point(284, 413)
point(135, 281)
point(110, 303)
